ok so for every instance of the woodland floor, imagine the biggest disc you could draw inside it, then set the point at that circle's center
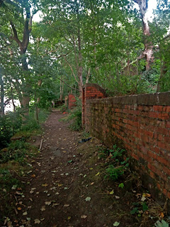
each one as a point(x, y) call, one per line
point(67, 188)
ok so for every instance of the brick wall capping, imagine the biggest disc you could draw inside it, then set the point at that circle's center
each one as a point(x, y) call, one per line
point(97, 87)
point(162, 99)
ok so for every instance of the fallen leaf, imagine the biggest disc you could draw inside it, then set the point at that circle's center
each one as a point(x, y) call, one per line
point(43, 208)
point(112, 192)
point(25, 213)
point(9, 224)
point(19, 208)
point(37, 221)
point(88, 199)
point(66, 205)
point(48, 203)
point(83, 216)
point(92, 183)
point(97, 174)
point(33, 175)
point(162, 215)
point(45, 185)
point(14, 187)
point(55, 204)
point(117, 197)
point(116, 224)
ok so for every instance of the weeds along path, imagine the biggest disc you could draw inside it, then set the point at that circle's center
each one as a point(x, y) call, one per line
point(66, 187)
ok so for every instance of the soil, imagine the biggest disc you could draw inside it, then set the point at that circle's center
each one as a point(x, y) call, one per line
point(67, 186)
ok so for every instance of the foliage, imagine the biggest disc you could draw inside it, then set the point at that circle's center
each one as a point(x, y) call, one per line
point(119, 164)
point(63, 108)
point(75, 116)
point(6, 175)
point(139, 206)
point(114, 172)
point(18, 151)
point(9, 125)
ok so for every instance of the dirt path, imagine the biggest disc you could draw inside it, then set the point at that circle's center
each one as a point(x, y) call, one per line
point(66, 187)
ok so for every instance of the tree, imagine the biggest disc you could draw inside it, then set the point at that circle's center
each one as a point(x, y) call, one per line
point(18, 14)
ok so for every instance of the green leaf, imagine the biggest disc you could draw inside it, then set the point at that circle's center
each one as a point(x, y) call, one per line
point(116, 224)
point(88, 199)
point(144, 206)
point(134, 211)
point(121, 185)
point(161, 224)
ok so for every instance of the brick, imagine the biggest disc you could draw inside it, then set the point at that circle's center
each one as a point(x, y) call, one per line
point(160, 137)
point(158, 108)
point(152, 168)
point(158, 186)
point(161, 145)
point(153, 114)
point(152, 174)
point(135, 156)
point(164, 116)
point(166, 170)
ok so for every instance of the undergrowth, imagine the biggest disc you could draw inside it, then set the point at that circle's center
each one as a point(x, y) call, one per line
point(74, 117)
point(117, 162)
point(18, 151)
point(15, 154)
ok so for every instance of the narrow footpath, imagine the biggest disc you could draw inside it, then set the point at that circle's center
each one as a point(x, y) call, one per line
point(66, 187)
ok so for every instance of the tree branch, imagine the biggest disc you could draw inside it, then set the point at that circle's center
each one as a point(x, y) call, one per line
point(15, 37)
point(71, 70)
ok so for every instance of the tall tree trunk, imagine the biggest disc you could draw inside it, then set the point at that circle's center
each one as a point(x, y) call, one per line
point(2, 95)
point(79, 67)
point(61, 89)
point(12, 99)
point(25, 99)
point(148, 52)
point(37, 102)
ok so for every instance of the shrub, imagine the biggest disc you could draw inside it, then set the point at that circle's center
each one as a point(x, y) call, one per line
point(119, 163)
point(9, 125)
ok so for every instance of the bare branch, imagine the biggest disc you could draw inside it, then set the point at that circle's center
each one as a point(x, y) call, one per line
point(15, 37)
point(71, 70)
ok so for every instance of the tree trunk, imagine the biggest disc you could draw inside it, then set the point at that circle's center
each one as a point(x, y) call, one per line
point(61, 89)
point(2, 95)
point(148, 52)
point(25, 97)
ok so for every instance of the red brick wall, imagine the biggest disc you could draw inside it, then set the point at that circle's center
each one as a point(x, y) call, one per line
point(91, 91)
point(140, 124)
point(71, 101)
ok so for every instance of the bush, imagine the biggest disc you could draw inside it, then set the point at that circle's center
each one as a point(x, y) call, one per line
point(76, 116)
point(9, 125)
point(119, 163)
